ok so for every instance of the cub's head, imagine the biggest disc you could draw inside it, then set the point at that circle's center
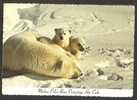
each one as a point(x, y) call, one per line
point(62, 34)
point(77, 44)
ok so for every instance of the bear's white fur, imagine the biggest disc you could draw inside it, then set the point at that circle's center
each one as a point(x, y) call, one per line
point(22, 52)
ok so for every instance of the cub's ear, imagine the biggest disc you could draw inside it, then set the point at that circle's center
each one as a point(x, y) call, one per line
point(57, 30)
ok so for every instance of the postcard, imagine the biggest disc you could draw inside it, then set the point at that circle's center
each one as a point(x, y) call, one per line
point(68, 49)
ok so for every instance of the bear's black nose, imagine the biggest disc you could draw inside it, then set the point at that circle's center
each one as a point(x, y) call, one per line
point(81, 74)
point(61, 37)
point(82, 48)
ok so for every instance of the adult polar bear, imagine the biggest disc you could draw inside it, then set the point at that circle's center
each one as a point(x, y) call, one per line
point(22, 52)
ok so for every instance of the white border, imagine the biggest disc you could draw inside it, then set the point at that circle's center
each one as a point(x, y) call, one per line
point(68, 92)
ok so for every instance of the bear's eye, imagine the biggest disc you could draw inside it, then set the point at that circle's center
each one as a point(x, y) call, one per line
point(64, 33)
point(69, 31)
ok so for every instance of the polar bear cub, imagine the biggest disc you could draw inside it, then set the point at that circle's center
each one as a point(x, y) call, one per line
point(76, 46)
point(64, 39)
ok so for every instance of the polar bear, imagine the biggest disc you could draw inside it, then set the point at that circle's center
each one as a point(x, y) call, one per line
point(76, 46)
point(62, 37)
point(22, 52)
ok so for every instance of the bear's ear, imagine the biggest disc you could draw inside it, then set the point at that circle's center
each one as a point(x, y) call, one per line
point(58, 65)
point(57, 30)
